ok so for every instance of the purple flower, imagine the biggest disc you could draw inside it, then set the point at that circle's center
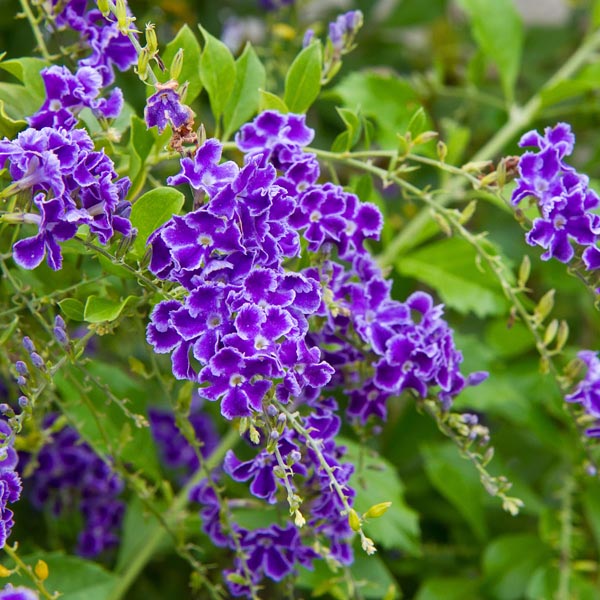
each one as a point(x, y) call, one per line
point(587, 391)
point(9, 592)
point(98, 37)
point(68, 94)
point(10, 482)
point(204, 172)
point(564, 199)
point(72, 184)
point(71, 477)
point(165, 108)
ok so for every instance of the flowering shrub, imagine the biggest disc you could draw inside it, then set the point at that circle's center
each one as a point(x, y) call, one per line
point(238, 364)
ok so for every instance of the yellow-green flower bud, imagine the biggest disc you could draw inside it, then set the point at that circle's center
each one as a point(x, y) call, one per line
point(176, 65)
point(142, 65)
point(151, 39)
point(377, 510)
point(354, 520)
point(104, 7)
point(41, 570)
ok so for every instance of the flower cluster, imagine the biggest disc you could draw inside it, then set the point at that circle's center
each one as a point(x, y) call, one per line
point(10, 482)
point(276, 551)
point(107, 46)
point(587, 392)
point(564, 199)
point(70, 477)
point(71, 184)
point(68, 94)
point(258, 335)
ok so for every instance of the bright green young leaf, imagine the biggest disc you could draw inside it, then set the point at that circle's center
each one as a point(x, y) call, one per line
point(27, 71)
point(150, 211)
point(303, 80)
point(217, 72)
point(9, 127)
point(186, 40)
point(74, 577)
point(98, 309)
point(457, 480)
point(72, 308)
point(250, 77)
point(498, 30)
point(449, 267)
point(269, 101)
point(347, 139)
point(388, 100)
point(377, 481)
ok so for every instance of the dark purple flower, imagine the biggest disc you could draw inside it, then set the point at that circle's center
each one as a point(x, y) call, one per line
point(203, 172)
point(71, 477)
point(68, 94)
point(165, 108)
point(587, 391)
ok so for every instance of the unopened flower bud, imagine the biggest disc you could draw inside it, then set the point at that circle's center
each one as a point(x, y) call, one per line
point(151, 40)
point(41, 570)
point(28, 344)
point(21, 368)
point(21, 381)
point(4, 408)
point(377, 510)
point(272, 410)
point(37, 360)
point(354, 520)
point(23, 401)
point(176, 65)
point(4, 572)
point(274, 435)
point(295, 456)
point(142, 64)
point(59, 322)
point(104, 7)
point(61, 336)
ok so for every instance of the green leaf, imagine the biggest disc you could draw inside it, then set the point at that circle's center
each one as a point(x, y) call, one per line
point(9, 127)
point(510, 561)
point(449, 266)
point(72, 308)
point(186, 40)
point(498, 30)
point(150, 211)
point(457, 480)
point(449, 588)
point(74, 577)
point(98, 309)
point(138, 524)
point(19, 102)
point(250, 77)
point(347, 139)
point(27, 71)
point(140, 145)
point(377, 481)
point(217, 72)
point(303, 80)
point(270, 101)
point(388, 100)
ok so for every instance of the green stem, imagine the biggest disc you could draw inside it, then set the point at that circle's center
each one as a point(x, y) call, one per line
point(157, 535)
point(566, 539)
point(519, 118)
point(39, 38)
point(28, 570)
